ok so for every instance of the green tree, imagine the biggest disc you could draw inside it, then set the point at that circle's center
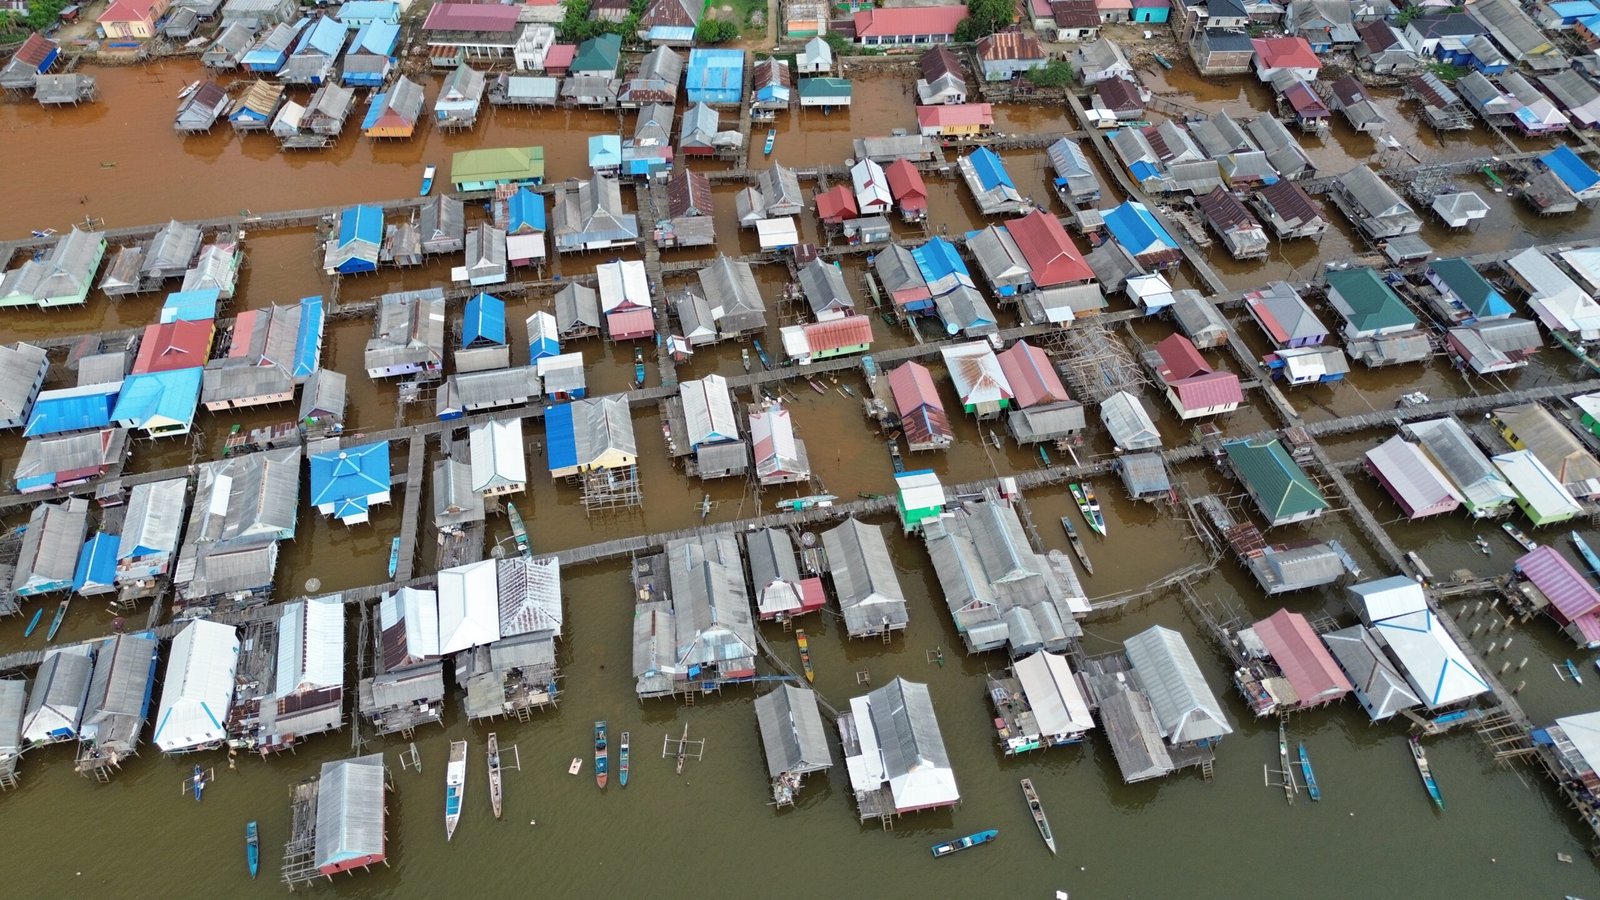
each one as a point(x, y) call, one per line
point(1055, 74)
point(576, 26)
point(985, 17)
point(715, 31)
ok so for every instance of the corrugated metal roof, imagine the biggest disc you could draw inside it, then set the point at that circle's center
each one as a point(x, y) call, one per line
point(198, 688)
point(1185, 706)
point(1305, 662)
point(1381, 688)
point(1128, 422)
point(350, 801)
point(119, 692)
point(791, 731)
point(864, 578)
point(530, 596)
point(976, 373)
point(1034, 380)
point(915, 763)
point(708, 410)
point(1434, 665)
point(1053, 694)
point(1274, 478)
point(1571, 595)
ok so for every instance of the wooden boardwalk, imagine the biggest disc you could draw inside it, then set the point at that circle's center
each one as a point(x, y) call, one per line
point(411, 515)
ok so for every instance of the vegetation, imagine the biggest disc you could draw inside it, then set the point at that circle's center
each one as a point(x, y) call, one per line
point(576, 26)
point(985, 17)
point(715, 31)
point(41, 15)
point(1057, 73)
point(839, 44)
point(1446, 72)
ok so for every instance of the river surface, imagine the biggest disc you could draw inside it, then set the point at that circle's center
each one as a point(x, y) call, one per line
point(710, 832)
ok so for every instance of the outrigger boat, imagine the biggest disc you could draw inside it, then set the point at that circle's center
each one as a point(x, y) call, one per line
point(33, 623)
point(1037, 809)
point(55, 623)
point(1481, 544)
point(1589, 558)
point(1573, 671)
point(252, 848)
point(197, 783)
point(601, 755)
point(1310, 777)
point(455, 782)
point(427, 180)
point(971, 840)
point(816, 385)
point(519, 531)
point(1421, 760)
point(807, 502)
point(761, 354)
point(494, 773)
point(1083, 495)
point(805, 653)
point(1077, 544)
point(394, 556)
point(1518, 536)
point(772, 138)
point(622, 762)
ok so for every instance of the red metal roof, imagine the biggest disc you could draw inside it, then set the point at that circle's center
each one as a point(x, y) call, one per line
point(34, 50)
point(1588, 625)
point(1208, 390)
point(1051, 255)
point(1305, 662)
point(1033, 379)
point(1305, 102)
point(491, 17)
point(908, 20)
point(912, 387)
point(1571, 596)
point(175, 345)
point(980, 114)
point(812, 596)
point(129, 11)
point(628, 324)
point(1285, 53)
point(559, 56)
point(906, 184)
point(833, 334)
point(837, 204)
point(1180, 359)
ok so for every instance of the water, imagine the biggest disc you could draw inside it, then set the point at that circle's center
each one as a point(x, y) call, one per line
point(712, 827)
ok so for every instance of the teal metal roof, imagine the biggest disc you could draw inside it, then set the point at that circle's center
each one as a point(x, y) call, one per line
point(1272, 476)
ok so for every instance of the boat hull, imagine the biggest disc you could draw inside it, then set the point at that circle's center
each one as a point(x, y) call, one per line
point(252, 848)
point(972, 840)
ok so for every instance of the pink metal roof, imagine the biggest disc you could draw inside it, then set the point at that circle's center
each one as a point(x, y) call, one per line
point(912, 387)
point(1305, 662)
point(1180, 359)
point(906, 184)
point(909, 20)
point(981, 114)
point(1588, 627)
point(492, 17)
point(1571, 596)
point(835, 333)
point(1210, 389)
point(560, 56)
point(1051, 255)
point(836, 204)
point(631, 323)
point(1032, 378)
point(175, 345)
point(812, 595)
point(1285, 53)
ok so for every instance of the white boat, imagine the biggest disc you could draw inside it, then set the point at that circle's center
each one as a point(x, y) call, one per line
point(455, 783)
point(191, 88)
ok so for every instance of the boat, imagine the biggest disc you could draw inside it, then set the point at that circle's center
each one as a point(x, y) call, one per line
point(847, 390)
point(1414, 398)
point(808, 502)
point(55, 623)
point(622, 762)
point(1037, 809)
point(455, 782)
point(638, 367)
point(866, 496)
point(971, 840)
point(805, 653)
point(188, 89)
point(744, 357)
point(1289, 787)
point(1162, 61)
point(1421, 760)
point(197, 783)
point(1518, 536)
point(816, 385)
point(1573, 671)
point(895, 459)
point(1083, 495)
point(772, 138)
point(761, 354)
point(252, 847)
point(577, 763)
point(394, 556)
point(601, 754)
point(519, 531)
point(1077, 544)
point(1589, 559)
point(33, 623)
point(1309, 776)
point(1481, 544)
point(495, 795)
point(427, 180)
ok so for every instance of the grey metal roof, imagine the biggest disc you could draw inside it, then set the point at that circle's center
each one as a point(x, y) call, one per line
point(864, 578)
point(897, 269)
point(350, 809)
point(422, 683)
point(771, 555)
point(603, 424)
point(171, 251)
point(780, 188)
point(999, 257)
point(55, 705)
point(824, 286)
point(22, 371)
point(226, 569)
point(1380, 687)
point(238, 379)
point(577, 306)
point(791, 731)
point(1130, 726)
point(729, 285)
point(530, 595)
point(154, 518)
point(51, 544)
point(1112, 266)
point(907, 731)
point(653, 648)
point(1373, 195)
point(1279, 570)
point(1283, 151)
point(443, 225)
point(324, 394)
point(1185, 706)
point(1047, 423)
point(409, 329)
point(247, 496)
point(13, 702)
point(492, 388)
point(1199, 319)
point(486, 252)
point(591, 213)
point(119, 692)
point(1130, 425)
point(1144, 473)
point(454, 500)
point(710, 603)
point(67, 452)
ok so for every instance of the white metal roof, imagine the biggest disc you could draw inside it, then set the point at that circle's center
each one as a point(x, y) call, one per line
point(976, 372)
point(418, 609)
point(155, 514)
point(1536, 485)
point(622, 284)
point(1434, 665)
point(1583, 730)
point(198, 687)
point(497, 457)
point(777, 233)
point(1053, 694)
point(310, 645)
point(1386, 598)
point(469, 607)
point(708, 410)
point(920, 489)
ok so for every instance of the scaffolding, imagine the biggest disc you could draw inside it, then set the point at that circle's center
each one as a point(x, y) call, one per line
point(609, 489)
point(1094, 361)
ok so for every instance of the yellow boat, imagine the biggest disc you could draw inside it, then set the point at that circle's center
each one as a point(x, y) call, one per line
point(805, 654)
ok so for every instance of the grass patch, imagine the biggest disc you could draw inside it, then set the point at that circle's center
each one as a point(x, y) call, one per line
point(1447, 72)
point(749, 15)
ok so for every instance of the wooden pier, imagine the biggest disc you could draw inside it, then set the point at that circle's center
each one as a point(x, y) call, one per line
point(411, 515)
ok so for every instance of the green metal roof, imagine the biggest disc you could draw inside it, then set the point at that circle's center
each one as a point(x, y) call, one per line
point(497, 164)
point(598, 54)
point(1275, 478)
point(824, 87)
point(1369, 304)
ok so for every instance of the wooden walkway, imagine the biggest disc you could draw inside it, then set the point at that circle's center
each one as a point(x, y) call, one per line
point(411, 516)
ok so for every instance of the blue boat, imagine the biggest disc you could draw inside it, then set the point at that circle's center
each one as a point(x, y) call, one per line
point(971, 840)
point(602, 757)
point(394, 556)
point(1589, 558)
point(1426, 773)
point(1573, 671)
point(455, 786)
point(33, 623)
point(252, 848)
point(772, 138)
point(427, 180)
point(55, 623)
point(1162, 61)
point(1310, 777)
point(197, 783)
point(638, 367)
point(761, 354)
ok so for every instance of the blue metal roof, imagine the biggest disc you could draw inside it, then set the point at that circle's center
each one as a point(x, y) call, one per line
point(526, 210)
point(190, 306)
point(938, 259)
point(72, 410)
point(1574, 9)
point(361, 223)
point(1136, 229)
point(485, 321)
point(544, 346)
point(308, 343)
point(715, 72)
point(172, 394)
point(376, 38)
point(560, 437)
point(349, 474)
point(386, 11)
point(325, 37)
point(1574, 172)
point(990, 168)
point(605, 150)
point(670, 33)
point(97, 564)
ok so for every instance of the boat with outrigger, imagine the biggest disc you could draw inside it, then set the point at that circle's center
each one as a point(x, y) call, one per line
point(966, 843)
point(196, 783)
point(1517, 534)
point(808, 502)
point(495, 796)
point(455, 782)
point(1077, 544)
point(1036, 809)
point(1089, 506)
point(1421, 759)
point(805, 654)
point(1572, 670)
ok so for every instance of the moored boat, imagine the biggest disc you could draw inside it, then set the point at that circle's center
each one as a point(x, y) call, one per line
point(622, 761)
point(495, 796)
point(519, 530)
point(455, 782)
point(805, 653)
point(1573, 671)
point(806, 502)
point(197, 783)
point(601, 754)
point(188, 89)
point(1037, 810)
point(252, 847)
point(427, 180)
point(394, 555)
point(959, 844)
point(33, 624)
point(55, 623)
point(816, 385)
point(1077, 544)
point(1087, 507)
point(1517, 535)
point(761, 354)
point(1421, 760)
point(772, 138)
point(1309, 776)
point(1589, 558)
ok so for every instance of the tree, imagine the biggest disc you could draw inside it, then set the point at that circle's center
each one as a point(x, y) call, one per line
point(715, 31)
point(985, 17)
point(1055, 74)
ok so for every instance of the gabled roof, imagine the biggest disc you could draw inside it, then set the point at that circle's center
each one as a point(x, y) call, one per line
point(1009, 45)
point(1274, 477)
point(1285, 53)
point(1031, 375)
point(1049, 251)
point(1366, 301)
point(940, 62)
point(346, 477)
point(907, 21)
point(1304, 661)
point(1186, 709)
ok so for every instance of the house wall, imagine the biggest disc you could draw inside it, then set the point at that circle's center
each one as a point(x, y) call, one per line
point(247, 402)
point(1172, 397)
